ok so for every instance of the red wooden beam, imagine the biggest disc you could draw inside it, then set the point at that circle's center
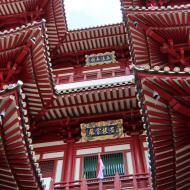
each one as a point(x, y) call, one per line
point(167, 46)
point(175, 105)
point(43, 3)
point(87, 118)
point(149, 32)
point(93, 51)
point(90, 103)
point(19, 59)
point(83, 184)
point(42, 112)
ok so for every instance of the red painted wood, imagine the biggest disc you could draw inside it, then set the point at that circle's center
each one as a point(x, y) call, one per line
point(127, 182)
point(100, 185)
point(175, 104)
point(117, 182)
point(137, 154)
point(68, 166)
point(83, 184)
point(89, 118)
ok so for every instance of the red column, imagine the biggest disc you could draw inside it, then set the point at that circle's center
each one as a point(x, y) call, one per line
point(117, 181)
point(137, 154)
point(68, 161)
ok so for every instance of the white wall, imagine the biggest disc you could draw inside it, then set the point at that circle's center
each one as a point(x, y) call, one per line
point(117, 147)
point(53, 155)
point(59, 169)
point(89, 151)
point(77, 169)
point(129, 162)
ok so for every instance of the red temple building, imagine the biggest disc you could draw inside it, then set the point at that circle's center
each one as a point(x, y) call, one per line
point(121, 90)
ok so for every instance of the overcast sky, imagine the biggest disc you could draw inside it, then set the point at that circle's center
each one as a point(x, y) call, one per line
point(88, 13)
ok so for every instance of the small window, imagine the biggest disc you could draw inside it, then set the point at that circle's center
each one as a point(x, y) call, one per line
point(113, 163)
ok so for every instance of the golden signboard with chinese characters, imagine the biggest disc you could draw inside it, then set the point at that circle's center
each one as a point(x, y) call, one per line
point(100, 58)
point(101, 130)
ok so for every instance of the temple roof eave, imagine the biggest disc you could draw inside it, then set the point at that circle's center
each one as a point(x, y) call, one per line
point(17, 144)
point(93, 84)
point(36, 74)
point(164, 101)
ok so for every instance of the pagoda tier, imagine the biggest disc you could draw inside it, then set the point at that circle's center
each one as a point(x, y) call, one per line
point(15, 13)
point(159, 46)
point(97, 91)
point(18, 167)
point(69, 61)
point(79, 43)
point(74, 106)
point(96, 102)
point(159, 38)
point(28, 45)
point(165, 101)
point(24, 56)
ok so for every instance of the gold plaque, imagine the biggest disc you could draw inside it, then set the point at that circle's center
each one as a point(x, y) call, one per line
point(102, 130)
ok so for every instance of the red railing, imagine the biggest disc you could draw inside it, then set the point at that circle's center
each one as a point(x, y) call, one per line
point(86, 76)
point(124, 182)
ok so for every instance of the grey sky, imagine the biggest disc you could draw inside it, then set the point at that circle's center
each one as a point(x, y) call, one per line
point(89, 13)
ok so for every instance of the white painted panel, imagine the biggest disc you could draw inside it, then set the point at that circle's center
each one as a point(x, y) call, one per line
point(110, 68)
point(147, 159)
point(37, 156)
point(77, 169)
point(91, 71)
point(53, 155)
point(89, 151)
point(117, 147)
point(129, 163)
point(145, 144)
point(47, 182)
point(54, 143)
point(59, 168)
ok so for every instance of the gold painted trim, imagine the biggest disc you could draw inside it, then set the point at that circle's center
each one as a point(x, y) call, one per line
point(101, 124)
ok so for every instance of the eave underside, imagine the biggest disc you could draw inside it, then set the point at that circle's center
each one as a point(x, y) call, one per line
point(69, 110)
point(24, 56)
point(165, 105)
point(18, 167)
point(158, 38)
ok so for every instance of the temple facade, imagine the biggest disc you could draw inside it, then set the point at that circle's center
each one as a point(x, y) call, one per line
point(118, 90)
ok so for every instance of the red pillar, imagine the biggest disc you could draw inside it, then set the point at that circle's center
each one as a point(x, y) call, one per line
point(83, 184)
point(68, 161)
point(137, 154)
point(117, 182)
point(100, 185)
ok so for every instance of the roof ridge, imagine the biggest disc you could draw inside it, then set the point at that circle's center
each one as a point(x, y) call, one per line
point(97, 27)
